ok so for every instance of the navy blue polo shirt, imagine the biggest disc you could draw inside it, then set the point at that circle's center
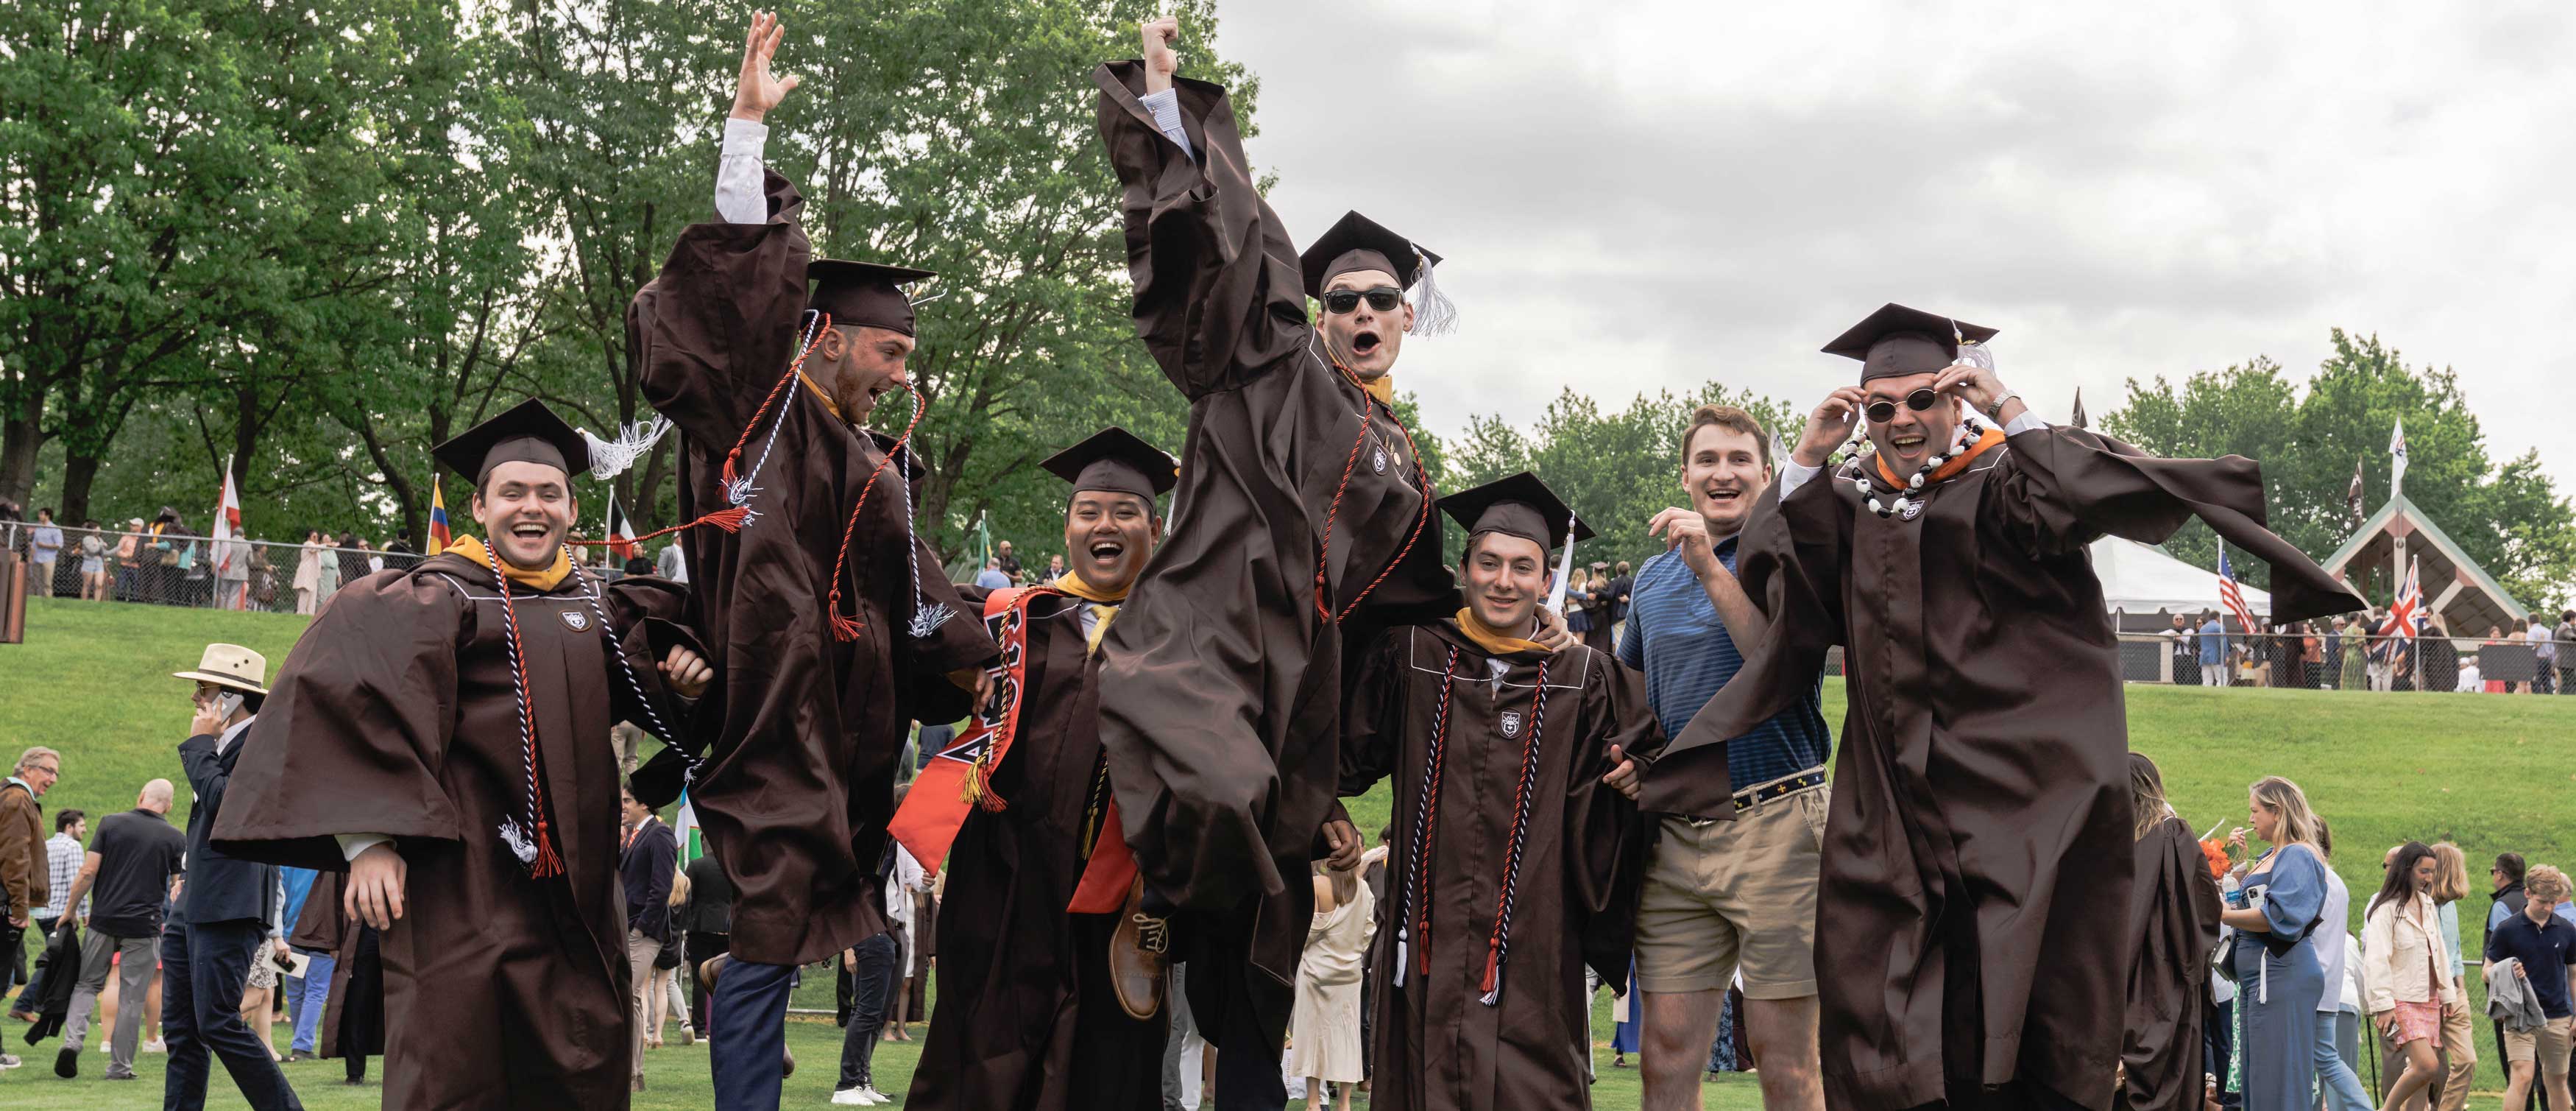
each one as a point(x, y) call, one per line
point(2545, 953)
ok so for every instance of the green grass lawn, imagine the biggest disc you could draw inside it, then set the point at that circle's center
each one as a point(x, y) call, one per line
point(2490, 772)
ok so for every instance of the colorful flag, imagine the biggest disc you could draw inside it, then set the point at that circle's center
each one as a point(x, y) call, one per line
point(2228, 594)
point(230, 552)
point(2406, 616)
point(691, 839)
point(439, 537)
point(2352, 497)
point(620, 530)
point(2397, 455)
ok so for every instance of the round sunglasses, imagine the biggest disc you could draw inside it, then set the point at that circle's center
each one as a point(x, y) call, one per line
point(1343, 302)
point(1881, 412)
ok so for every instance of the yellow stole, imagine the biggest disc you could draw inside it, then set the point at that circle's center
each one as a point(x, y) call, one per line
point(472, 548)
point(1101, 600)
point(1491, 639)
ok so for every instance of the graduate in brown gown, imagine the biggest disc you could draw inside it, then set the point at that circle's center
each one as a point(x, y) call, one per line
point(827, 618)
point(1514, 863)
point(1303, 522)
point(353, 1026)
point(441, 732)
point(1980, 830)
point(1026, 1018)
point(2173, 920)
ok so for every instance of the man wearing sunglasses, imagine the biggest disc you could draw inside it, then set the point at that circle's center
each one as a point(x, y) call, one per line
point(1303, 525)
point(1979, 819)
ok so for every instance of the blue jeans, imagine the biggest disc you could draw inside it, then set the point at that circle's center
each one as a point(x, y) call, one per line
point(2343, 1089)
point(748, 1020)
point(309, 1002)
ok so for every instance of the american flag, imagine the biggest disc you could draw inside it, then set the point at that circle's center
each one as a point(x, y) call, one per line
point(2406, 615)
point(2232, 597)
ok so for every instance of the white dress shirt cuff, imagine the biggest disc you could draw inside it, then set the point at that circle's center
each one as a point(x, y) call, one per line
point(740, 196)
point(2025, 422)
point(1794, 474)
point(1166, 107)
point(351, 844)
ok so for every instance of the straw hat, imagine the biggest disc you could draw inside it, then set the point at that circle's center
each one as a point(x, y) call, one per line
point(230, 665)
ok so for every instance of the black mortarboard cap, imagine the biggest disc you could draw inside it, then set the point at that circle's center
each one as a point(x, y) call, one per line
point(1897, 341)
point(863, 293)
point(1359, 243)
point(1115, 459)
point(1519, 506)
point(528, 433)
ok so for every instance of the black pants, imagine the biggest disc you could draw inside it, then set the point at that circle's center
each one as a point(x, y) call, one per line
point(874, 979)
point(203, 971)
point(695, 949)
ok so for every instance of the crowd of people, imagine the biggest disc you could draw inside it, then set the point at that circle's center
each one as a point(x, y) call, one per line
point(2357, 652)
point(1131, 859)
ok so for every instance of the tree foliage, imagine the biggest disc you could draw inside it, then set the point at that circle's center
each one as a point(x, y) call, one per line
point(2507, 515)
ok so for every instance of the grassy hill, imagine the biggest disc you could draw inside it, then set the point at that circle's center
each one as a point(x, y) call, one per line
point(2493, 773)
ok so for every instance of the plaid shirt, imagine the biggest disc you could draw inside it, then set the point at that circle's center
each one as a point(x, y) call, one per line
point(63, 854)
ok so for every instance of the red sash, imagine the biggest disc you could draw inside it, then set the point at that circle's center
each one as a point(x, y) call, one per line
point(1111, 872)
point(959, 777)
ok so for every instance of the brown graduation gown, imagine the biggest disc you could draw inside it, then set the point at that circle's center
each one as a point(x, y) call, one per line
point(1026, 1018)
point(1220, 700)
point(2173, 921)
point(397, 713)
point(322, 928)
point(1980, 824)
point(803, 730)
point(1437, 1045)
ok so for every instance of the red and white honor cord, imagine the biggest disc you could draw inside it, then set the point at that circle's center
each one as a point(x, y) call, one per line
point(531, 842)
point(1426, 820)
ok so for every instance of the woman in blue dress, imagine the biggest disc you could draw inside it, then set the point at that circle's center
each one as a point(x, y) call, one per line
point(2278, 976)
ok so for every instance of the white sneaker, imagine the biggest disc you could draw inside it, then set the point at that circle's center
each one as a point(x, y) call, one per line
point(875, 1096)
point(852, 1097)
point(156, 1045)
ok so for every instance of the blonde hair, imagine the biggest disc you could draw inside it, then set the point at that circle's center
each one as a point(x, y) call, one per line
point(2298, 821)
point(2451, 874)
point(2147, 795)
point(2544, 882)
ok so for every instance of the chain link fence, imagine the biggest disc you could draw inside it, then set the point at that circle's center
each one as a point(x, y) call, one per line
point(2337, 662)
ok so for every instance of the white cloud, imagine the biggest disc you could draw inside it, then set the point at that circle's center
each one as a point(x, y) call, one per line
point(1648, 195)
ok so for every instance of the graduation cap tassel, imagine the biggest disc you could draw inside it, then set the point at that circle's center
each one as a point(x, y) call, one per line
point(1433, 313)
point(610, 458)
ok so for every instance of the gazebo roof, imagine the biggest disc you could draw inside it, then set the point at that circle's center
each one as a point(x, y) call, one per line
point(2455, 586)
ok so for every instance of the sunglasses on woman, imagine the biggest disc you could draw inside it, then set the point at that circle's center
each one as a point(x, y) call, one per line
point(1343, 302)
point(1881, 412)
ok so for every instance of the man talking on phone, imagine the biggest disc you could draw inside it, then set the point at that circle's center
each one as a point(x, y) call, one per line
point(221, 921)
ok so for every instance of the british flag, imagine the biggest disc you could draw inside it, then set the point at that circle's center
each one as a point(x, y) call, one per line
point(2232, 597)
point(2406, 615)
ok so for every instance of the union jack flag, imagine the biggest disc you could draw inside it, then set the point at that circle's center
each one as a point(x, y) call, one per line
point(2406, 616)
point(2232, 597)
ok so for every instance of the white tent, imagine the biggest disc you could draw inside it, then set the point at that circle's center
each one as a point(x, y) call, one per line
point(2142, 579)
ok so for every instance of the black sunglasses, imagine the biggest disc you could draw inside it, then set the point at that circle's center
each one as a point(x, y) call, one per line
point(1881, 412)
point(1342, 302)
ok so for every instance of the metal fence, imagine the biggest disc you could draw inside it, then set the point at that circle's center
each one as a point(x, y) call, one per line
point(173, 568)
point(2337, 662)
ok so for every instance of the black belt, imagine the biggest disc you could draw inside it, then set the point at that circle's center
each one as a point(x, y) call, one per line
point(1750, 797)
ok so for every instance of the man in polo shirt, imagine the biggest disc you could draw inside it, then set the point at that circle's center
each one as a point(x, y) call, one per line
point(1722, 895)
point(2545, 945)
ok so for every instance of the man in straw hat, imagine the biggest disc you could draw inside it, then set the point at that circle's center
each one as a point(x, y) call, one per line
point(221, 921)
point(459, 711)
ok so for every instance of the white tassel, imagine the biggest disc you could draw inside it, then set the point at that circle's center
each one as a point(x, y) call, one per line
point(927, 619)
point(1433, 313)
point(610, 458)
point(517, 840)
point(1401, 963)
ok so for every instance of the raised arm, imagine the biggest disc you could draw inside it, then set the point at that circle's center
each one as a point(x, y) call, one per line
point(739, 197)
point(1218, 297)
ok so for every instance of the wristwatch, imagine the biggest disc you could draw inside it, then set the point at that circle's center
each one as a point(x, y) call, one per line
point(1997, 409)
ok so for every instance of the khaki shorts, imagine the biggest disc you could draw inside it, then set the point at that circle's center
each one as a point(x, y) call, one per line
point(1725, 894)
point(2548, 1041)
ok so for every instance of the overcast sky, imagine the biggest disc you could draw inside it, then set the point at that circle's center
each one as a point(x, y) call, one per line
point(1640, 195)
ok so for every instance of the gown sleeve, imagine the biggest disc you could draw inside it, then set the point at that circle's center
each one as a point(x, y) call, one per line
point(1219, 300)
point(960, 642)
point(366, 703)
point(2062, 488)
point(1373, 719)
point(1790, 564)
point(714, 332)
point(647, 611)
point(1605, 837)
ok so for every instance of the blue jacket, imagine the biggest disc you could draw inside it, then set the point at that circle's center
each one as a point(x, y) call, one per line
point(2213, 643)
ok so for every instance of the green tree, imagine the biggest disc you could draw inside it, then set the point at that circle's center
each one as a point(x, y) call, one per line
point(2508, 517)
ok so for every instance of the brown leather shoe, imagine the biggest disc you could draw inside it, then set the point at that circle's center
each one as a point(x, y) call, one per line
point(1137, 955)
